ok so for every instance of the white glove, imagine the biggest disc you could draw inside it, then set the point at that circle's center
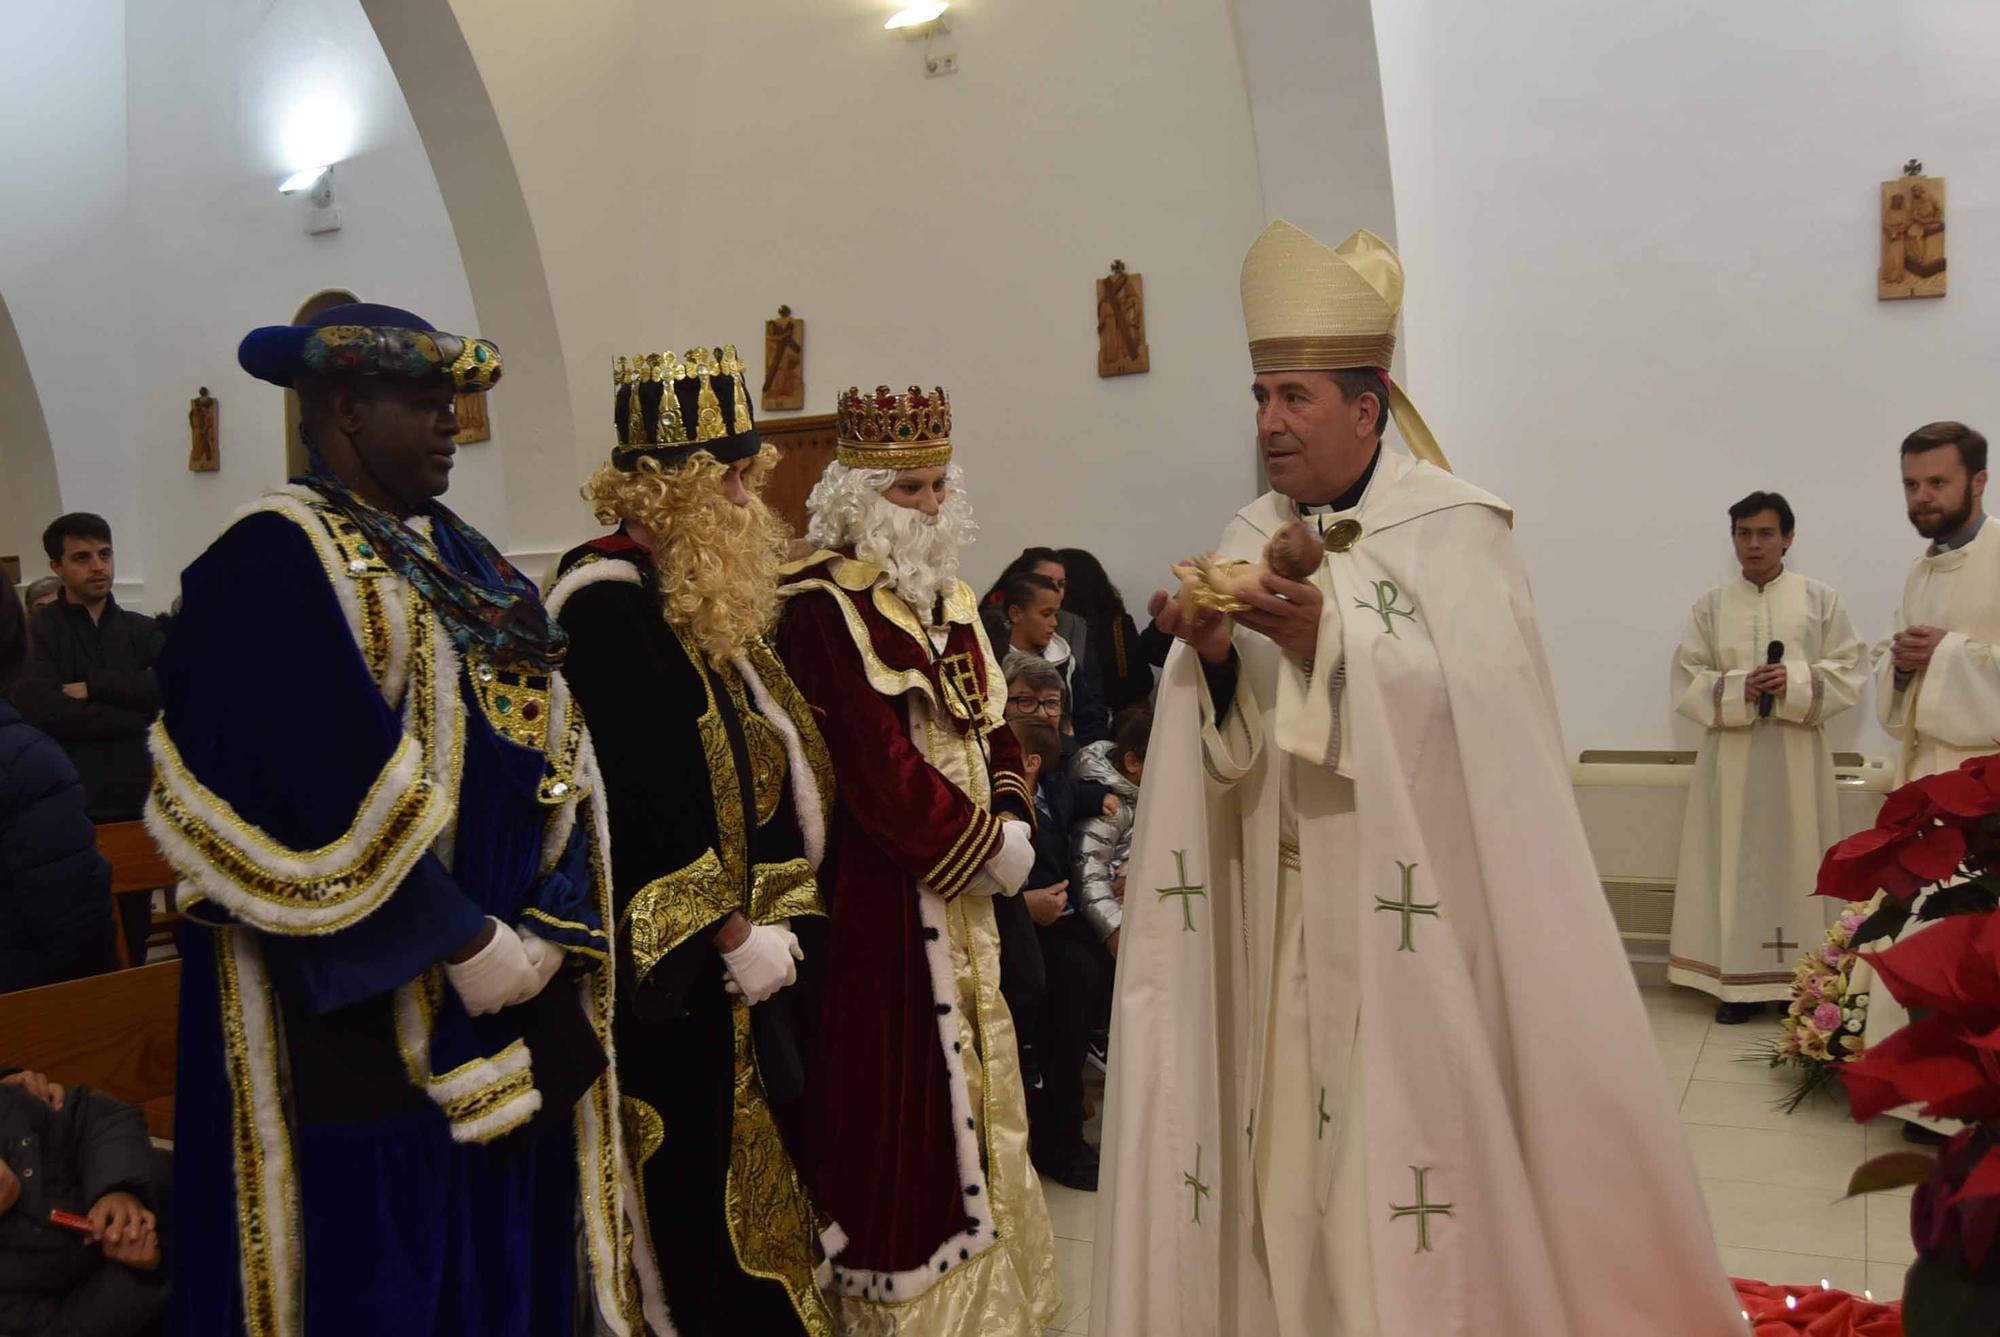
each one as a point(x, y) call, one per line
point(1003, 874)
point(498, 975)
point(544, 956)
point(764, 962)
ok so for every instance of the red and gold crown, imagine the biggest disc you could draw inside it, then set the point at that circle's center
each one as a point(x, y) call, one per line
point(891, 431)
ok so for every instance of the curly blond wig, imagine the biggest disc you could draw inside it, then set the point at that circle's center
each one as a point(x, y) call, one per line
point(716, 562)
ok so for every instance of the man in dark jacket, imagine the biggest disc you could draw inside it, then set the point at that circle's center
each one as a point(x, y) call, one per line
point(86, 1156)
point(89, 683)
point(55, 889)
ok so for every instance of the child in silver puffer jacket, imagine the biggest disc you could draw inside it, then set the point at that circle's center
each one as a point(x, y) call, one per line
point(1099, 845)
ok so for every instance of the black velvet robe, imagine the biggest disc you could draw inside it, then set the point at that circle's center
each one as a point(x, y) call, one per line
point(705, 802)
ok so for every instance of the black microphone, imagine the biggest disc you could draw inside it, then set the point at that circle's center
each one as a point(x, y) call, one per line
point(1775, 654)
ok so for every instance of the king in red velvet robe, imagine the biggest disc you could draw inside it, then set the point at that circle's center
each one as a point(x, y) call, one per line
point(914, 1090)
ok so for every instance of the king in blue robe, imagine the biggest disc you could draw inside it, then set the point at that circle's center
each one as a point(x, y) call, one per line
point(394, 1111)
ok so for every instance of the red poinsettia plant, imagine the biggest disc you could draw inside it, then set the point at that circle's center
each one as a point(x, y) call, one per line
point(1934, 855)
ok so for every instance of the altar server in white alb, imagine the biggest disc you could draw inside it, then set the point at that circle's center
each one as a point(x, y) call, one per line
point(1766, 660)
point(1378, 1063)
point(1937, 678)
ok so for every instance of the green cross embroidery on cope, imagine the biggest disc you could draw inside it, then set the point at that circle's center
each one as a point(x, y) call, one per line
point(1185, 891)
point(1408, 906)
point(1387, 597)
point(1423, 1209)
point(1324, 1117)
point(1193, 1181)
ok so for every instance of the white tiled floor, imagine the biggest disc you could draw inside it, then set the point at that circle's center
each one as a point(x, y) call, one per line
point(1773, 1180)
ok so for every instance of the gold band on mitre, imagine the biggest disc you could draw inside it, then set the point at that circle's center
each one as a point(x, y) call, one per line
point(1308, 306)
point(1322, 352)
point(884, 430)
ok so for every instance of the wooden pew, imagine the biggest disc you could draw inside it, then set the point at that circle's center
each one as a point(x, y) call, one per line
point(114, 1033)
point(138, 869)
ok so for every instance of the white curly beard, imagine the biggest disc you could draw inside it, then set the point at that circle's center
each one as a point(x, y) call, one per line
point(919, 552)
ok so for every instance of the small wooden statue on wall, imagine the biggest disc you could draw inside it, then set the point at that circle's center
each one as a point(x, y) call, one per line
point(204, 434)
point(473, 424)
point(784, 362)
point(1912, 236)
point(1121, 323)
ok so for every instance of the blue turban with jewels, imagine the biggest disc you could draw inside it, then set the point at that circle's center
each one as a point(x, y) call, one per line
point(367, 339)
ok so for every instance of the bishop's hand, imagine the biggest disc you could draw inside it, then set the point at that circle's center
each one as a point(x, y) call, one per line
point(1286, 612)
point(1207, 631)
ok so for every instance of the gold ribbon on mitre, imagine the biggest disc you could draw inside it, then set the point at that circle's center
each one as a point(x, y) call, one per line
point(1308, 306)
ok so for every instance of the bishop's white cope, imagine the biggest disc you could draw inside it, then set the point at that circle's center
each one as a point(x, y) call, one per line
point(1486, 1126)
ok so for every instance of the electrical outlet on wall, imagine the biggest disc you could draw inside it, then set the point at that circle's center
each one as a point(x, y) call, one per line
point(936, 67)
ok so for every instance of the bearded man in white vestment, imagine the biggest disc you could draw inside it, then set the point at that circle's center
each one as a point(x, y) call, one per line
point(1937, 677)
point(1762, 807)
point(1378, 1063)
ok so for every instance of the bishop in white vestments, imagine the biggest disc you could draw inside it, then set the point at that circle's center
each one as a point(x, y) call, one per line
point(1937, 677)
point(1762, 807)
point(1378, 1063)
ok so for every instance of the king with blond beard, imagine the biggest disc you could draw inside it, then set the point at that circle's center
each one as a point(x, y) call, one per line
point(718, 787)
point(914, 1096)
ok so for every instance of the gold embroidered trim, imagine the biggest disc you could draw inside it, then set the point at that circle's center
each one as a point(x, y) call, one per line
point(957, 847)
point(515, 704)
point(270, 1302)
point(1006, 782)
point(897, 610)
point(986, 839)
point(570, 924)
point(645, 1131)
point(482, 1101)
point(769, 764)
point(732, 836)
point(1288, 854)
point(771, 1220)
point(771, 672)
point(242, 856)
point(960, 606)
point(996, 681)
point(781, 890)
point(669, 910)
point(604, 1174)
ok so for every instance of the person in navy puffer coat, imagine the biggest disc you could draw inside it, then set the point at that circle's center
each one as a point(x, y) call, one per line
point(55, 888)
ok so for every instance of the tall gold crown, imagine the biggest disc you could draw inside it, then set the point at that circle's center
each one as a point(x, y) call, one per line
point(890, 431)
point(666, 406)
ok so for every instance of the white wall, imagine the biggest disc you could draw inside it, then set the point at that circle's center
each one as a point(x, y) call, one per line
point(1315, 86)
point(63, 260)
point(952, 230)
point(1641, 243)
point(145, 235)
point(28, 493)
point(687, 177)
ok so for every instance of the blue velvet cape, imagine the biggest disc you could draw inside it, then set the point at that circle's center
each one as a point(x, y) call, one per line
point(410, 1213)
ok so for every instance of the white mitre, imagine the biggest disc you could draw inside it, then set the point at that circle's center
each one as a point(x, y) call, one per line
point(1308, 306)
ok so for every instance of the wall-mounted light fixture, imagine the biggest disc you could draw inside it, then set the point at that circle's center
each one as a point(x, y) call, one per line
point(310, 178)
point(316, 184)
point(919, 20)
point(925, 19)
